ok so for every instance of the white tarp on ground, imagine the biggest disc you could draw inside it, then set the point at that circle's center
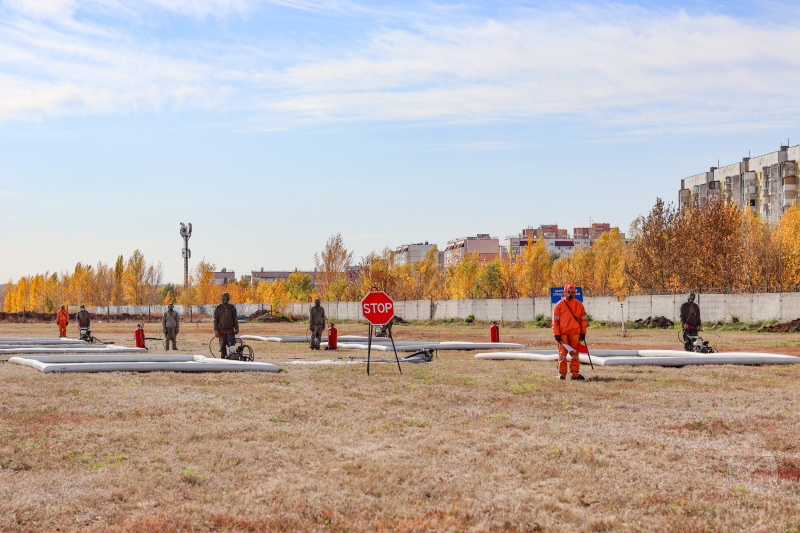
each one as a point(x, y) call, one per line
point(651, 357)
point(18, 341)
point(414, 360)
point(412, 346)
point(143, 363)
point(356, 342)
point(76, 349)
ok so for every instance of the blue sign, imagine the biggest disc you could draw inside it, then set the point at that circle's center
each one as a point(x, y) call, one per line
point(557, 294)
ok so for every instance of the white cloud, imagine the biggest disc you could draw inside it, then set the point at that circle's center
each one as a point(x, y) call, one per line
point(625, 66)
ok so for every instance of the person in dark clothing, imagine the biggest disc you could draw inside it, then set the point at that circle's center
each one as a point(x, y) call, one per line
point(226, 324)
point(316, 323)
point(171, 324)
point(690, 321)
point(83, 324)
point(83, 317)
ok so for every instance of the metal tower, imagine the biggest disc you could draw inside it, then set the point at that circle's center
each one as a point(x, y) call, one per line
point(186, 232)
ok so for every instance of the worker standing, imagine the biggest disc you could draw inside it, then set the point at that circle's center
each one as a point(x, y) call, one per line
point(569, 328)
point(170, 323)
point(690, 321)
point(62, 319)
point(83, 317)
point(226, 324)
point(316, 322)
point(83, 323)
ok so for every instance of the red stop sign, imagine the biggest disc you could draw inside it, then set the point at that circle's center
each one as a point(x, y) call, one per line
point(377, 308)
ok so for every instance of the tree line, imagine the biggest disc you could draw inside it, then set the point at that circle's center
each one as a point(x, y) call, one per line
point(714, 247)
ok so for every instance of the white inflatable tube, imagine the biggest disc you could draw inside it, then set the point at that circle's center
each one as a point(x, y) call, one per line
point(411, 346)
point(650, 357)
point(278, 338)
point(51, 340)
point(177, 363)
point(111, 348)
point(701, 359)
point(108, 358)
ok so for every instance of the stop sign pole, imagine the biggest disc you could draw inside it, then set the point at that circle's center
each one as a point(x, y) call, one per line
point(378, 309)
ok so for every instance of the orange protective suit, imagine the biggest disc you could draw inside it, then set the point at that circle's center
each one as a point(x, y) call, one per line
point(569, 321)
point(62, 319)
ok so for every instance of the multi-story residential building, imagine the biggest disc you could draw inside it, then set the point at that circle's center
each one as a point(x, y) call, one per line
point(545, 230)
point(224, 276)
point(412, 253)
point(271, 276)
point(556, 240)
point(592, 232)
point(765, 185)
point(487, 248)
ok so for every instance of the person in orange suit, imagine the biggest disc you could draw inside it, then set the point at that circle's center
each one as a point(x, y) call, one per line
point(569, 327)
point(62, 319)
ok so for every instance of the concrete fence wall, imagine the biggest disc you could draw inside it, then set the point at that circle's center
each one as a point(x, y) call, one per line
point(748, 307)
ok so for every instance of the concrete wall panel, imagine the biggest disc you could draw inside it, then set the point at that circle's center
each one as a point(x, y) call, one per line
point(748, 307)
point(790, 306)
point(714, 307)
point(494, 309)
point(767, 306)
point(542, 306)
point(666, 306)
point(638, 307)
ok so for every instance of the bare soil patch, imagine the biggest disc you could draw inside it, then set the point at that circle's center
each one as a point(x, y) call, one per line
point(456, 445)
point(784, 327)
point(660, 322)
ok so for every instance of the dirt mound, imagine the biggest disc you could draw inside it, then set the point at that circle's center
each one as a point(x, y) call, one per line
point(30, 316)
point(660, 322)
point(785, 327)
point(264, 316)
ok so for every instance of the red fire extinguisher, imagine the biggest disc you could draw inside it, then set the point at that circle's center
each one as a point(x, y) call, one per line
point(333, 334)
point(494, 332)
point(138, 336)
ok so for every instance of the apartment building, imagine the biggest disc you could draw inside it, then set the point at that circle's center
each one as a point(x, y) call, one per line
point(224, 276)
point(765, 185)
point(557, 240)
point(271, 276)
point(487, 248)
point(592, 232)
point(412, 253)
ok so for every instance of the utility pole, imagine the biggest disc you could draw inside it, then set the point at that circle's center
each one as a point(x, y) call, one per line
point(186, 232)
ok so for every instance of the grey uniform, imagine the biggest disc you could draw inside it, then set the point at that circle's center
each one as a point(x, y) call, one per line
point(83, 318)
point(316, 319)
point(226, 326)
point(170, 324)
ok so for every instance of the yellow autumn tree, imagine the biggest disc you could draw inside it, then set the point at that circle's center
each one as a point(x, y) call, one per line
point(208, 292)
point(535, 270)
point(787, 241)
point(331, 267)
point(462, 277)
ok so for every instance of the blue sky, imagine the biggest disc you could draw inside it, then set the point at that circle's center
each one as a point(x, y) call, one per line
point(271, 125)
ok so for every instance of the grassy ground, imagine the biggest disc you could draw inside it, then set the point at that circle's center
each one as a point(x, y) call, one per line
point(460, 444)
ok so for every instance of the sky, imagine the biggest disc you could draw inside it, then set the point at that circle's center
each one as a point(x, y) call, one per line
point(271, 125)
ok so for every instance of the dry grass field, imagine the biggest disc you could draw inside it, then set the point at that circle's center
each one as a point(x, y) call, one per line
point(456, 445)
